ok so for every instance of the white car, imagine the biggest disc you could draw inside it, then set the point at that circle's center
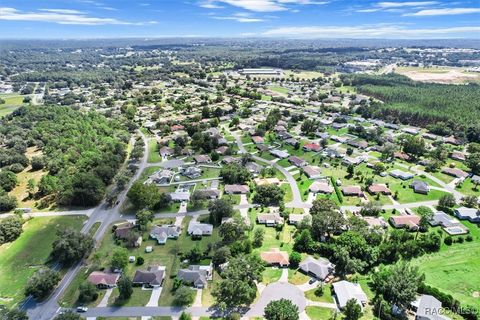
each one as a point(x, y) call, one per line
point(82, 309)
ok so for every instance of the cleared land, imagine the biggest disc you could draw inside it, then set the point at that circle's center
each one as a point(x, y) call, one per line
point(439, 74)
point(28, 253)
point(12, 102)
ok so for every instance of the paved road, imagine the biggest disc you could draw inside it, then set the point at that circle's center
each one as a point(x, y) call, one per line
point(103, 214)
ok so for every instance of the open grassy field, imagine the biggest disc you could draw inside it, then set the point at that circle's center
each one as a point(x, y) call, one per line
point(279, 89)
point(455, 268)
point(469, 188)
point(12, 102)
point(21, 258)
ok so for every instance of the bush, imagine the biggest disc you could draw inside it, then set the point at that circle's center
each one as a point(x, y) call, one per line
point(140, 261)
point(183, 296)
point(448, 241)
point(319, 291)
point(469, 238)
point(88, 292)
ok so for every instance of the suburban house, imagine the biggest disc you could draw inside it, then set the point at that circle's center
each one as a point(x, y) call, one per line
point(345, 290)
point(321, 186)
point(428, 308)
point(456, 155)
point(279, 153)
point(455, 172)
point(311, 147)
point(311, 172)
point(470, 214)
point(270, 219)
point(402, 175)
point(164, 232)
point(379, 188)
point(202, 158)
point(257, 139)
point(264, 181)
point(121, 231)
point(296, 161)
point(320, 268)
point(196, 275)
point(420, 187)
point(160, 177)
point(197, 229)
point(295, 218)
point(275, 257)
point(152, 277)
point(352, 191)
point(180, 196)
point(375, 222)
point(221, 150)
point(191, 172)
point(103, 280)
point(401, 155)
point(451, 225)
point(236, 189)
point(451, 140)
point(360, 144)
point(210, 194)
point(230, 159)
point(166, 151)
point(253, 167)
point(410, 222)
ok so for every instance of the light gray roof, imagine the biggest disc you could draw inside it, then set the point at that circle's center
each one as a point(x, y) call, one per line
point(320, 267)
point(197, 228)
point(429, 308)
point(346, 290)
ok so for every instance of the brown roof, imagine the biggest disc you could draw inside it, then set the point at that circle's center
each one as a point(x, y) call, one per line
point(102, 278)
point(352, 190)
point(123, 230)
point(275, 256)
point(379, 188)
point(411, 221)
point(236, 188)
point(455, 172)
point(150, 276)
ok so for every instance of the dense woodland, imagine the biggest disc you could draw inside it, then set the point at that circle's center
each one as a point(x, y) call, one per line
point(421, 104)
point(80, 151)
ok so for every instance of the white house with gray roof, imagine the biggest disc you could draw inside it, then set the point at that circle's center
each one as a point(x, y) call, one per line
point(345, 290)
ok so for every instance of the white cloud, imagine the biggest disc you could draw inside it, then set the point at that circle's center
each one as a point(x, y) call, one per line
point(61, 16)
point(391, 6)
point(388, 4)
point(260, 5)
point(444, 12)
point(370, 31)
point(243, 17)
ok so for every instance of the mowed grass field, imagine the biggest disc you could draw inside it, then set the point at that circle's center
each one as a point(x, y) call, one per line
point(455, 269)
point(12, 102)
point(21, 258)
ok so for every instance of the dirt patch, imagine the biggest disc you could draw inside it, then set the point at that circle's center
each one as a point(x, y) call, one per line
point(476, 294)
point(447, 77)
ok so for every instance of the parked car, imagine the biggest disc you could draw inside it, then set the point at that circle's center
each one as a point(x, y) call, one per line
point(312, 281)
point(82, 309)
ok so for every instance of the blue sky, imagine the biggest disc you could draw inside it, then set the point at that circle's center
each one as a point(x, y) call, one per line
point(240, 18)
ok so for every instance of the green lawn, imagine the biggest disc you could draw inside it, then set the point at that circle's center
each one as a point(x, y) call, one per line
point(325, 297)
point(319, 313)
point(12, 102)
point(153, 155)
point(271, 275)
point(70, 295)
point(296, 277)
point(468, 188)
point(455, 268)
point(278, 89)
point(21, 258)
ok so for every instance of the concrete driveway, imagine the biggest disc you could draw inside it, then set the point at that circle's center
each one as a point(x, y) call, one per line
point(153, 302)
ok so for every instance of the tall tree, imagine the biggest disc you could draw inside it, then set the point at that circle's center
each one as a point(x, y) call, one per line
point(71, 246)
point(282, 309)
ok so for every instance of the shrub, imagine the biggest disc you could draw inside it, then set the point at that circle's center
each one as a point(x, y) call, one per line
point(448, 241)
point(140, 261)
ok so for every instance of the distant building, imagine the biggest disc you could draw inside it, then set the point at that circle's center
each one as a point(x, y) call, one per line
point(260, 71)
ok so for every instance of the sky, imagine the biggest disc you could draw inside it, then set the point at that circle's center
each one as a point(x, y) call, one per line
point(305, 19)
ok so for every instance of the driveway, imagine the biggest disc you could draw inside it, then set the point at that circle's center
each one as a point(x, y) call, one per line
point(104, 301)
point(153, 302)
point(183, 207)
point(277, 291)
